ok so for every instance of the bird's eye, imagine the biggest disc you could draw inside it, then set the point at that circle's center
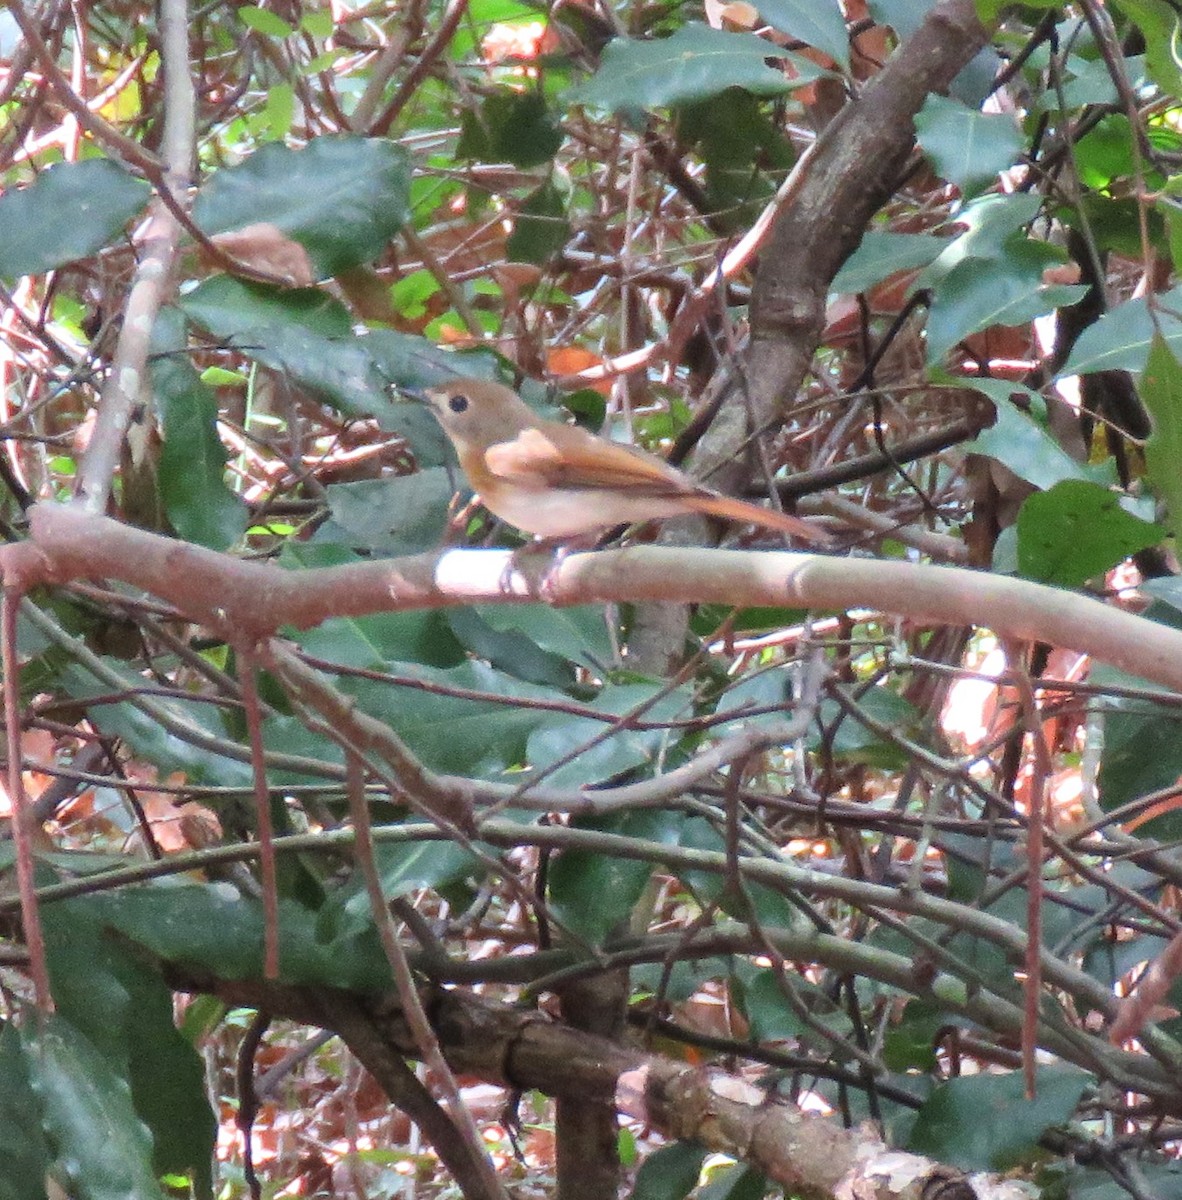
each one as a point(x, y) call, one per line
point(457, 404)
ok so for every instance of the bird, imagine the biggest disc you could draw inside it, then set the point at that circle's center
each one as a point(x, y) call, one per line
point(559, 481)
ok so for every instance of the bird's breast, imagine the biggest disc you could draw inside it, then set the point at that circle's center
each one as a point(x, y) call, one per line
point(555, 512)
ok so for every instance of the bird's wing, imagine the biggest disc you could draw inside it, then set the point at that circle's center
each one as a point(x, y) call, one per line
point(582, 460)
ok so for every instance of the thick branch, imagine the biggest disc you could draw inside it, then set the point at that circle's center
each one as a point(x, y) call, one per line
point(811, 1157)
point(251, 599)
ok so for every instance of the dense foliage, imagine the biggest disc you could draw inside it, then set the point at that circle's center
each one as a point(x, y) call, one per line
point(888, 833)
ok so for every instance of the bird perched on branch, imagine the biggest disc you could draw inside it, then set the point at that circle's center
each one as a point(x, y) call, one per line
point(556, 481)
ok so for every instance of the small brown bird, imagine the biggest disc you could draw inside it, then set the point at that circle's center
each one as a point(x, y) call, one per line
point(556, 480)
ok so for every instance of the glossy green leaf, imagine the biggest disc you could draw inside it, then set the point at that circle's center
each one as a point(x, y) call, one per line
point(671, 1172)
point(1076, 530)
point(401, 869)
point(515, 127)
point(376, 638)
point(1159, 23)
point(341, 197)
point(510, 650)
point(1160, 388)
point(103, 1147)
point(338, 371)
point(968, 148)
point(695, 63)
point(853, 740)
point(910, 1043)
point(262, 21)
point(1072, 1180)
point(225, 306)
point(817, 23)
point(580, 633)
point(774, 1018)
point(397, 514)
point(742, 149)
point(454, 733)
point(772, 908)
point(125, 1010)
point(594, 894)
point(991, 225)
point(589, 757)
point(985, 1123)
point(192, 468)
point(71, 211)
point(148, 736)
point(881, 255)
point(373, 640)
point(903, 16)
point(23, 1148)
point(734, 1181)
point(1142, 741)
point(540, 228)
point(1023, 443)
point(215, 928)
point(1007, 290)
point(1121, 339)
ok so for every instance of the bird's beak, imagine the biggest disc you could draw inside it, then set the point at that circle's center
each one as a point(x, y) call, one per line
point(416, 394)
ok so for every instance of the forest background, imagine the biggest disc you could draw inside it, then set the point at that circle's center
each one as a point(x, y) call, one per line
point(349, 850)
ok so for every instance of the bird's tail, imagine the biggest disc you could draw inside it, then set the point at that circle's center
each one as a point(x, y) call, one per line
point(730, 509)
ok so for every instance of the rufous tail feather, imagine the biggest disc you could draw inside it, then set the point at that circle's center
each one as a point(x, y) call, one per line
point(731, 509)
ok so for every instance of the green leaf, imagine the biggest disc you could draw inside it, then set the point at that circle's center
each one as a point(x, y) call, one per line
point(1159, 23)
point(820, 24)
point(341, 197)
point(149, 738)
point(71, 211)
point(579, 634)
point(852, 740)
point(910, 1043)
point(401, 869)
point(588, 756)
point(903, 16)
point(1121, 339)
point(510, 650)
point(1160, 388)
point(318, 24)
point(338, 371)
point(734, 1181)
point(697, 62)
point(225, 306)
point(1077, 530)
point(773, 1018)
point(979, 295)
point(1142, 741)
point(262, 21)
point(968, 148)
point(23, 1149)
point(1021, 442)
point(742, 150)
point(371, 641)
point(102, 1146)
point(515, 127)
point(213, 927)
point(992, 226)
point(594, 894)
point(126, 1012)
point(398, 514)
point(985, 1123)
point(192, 470)
point(541, 226)
point(377, 638)
point(881, 255)
point(453, 733)
point(671, 1172)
